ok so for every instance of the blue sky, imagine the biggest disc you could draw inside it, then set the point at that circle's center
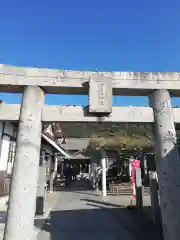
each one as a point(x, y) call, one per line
point(121, 35)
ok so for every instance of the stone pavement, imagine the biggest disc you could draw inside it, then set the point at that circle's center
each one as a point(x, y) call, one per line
point(50, 202)
point(86, 215)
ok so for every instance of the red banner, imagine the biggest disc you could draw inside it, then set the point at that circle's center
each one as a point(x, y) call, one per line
point(134, 164)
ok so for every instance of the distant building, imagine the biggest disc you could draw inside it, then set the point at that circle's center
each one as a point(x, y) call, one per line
point(8, 134)
point(7, 152)
point(73, 145)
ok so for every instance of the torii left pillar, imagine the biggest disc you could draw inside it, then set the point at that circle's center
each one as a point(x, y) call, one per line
point(22, 200)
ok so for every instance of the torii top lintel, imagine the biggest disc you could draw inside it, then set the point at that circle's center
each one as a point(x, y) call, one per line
point(13, 79)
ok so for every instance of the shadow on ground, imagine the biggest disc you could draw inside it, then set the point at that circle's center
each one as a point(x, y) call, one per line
point(103, 221)
point(3, 215)
point(73, 186)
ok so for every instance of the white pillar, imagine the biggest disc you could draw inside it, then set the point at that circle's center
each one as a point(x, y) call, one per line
point(167, 163)
point(52, 174)
point(49, 173)
point(48, 166)
point(130, 167)
point(97, 175)
point(103, 175)
point(80, 169)
point(55, 163)
point(89, 169)
point(145, 166)
point(22, 200)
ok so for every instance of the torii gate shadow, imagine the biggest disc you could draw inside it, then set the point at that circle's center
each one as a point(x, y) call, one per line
point(103, 220)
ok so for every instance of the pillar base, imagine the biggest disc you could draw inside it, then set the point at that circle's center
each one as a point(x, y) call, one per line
point(39, 206)
point(104, 194)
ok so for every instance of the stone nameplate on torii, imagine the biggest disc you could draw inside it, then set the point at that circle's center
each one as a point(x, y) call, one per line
point(100, 95)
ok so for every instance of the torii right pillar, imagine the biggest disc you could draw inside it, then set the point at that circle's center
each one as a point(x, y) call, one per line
point(167, 163)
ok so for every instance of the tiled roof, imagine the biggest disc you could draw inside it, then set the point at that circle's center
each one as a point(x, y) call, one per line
point(75, 143)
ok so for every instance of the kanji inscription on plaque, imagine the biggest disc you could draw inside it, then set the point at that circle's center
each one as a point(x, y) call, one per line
point(100, 94)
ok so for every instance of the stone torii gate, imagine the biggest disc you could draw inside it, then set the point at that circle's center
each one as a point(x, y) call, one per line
point(34, 83)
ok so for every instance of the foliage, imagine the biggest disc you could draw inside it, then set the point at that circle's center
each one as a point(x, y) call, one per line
point(116, 136)
point(121, 142)
point(86, 130)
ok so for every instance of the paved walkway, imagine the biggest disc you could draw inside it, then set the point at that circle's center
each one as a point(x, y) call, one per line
point(86, 215)
point(51, 199)
point(81, 214)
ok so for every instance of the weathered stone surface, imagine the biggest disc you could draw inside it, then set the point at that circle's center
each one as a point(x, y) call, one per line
point(11, 112)
point(75, 82)
point(22, 200)
point(100, 95)
point(167, 163)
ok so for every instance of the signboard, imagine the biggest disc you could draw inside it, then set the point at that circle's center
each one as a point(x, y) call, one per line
point(100, 94)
